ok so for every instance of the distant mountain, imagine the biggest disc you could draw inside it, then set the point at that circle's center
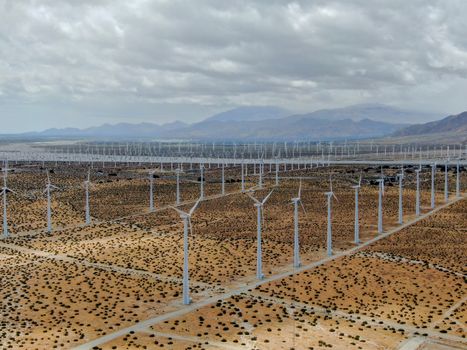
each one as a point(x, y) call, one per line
point(377, 112)
point(259, 123)
point(249, 113)
point(288, 128)
point(456, 124)
point(120, 130)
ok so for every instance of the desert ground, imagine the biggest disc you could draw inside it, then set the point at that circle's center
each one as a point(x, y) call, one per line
point(121, 275)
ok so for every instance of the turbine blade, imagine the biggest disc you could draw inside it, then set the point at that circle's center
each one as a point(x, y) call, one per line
point(191, 226)
point(303, 207)
point(179, 211)
point(194, 207)
point(253, 198)
point(10, 190)
point(300, 189)
point(267, 197)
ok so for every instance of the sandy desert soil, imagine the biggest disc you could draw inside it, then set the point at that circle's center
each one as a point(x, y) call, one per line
point(81, 282)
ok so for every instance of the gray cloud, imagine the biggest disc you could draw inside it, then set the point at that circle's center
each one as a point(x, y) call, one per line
point(88, 62)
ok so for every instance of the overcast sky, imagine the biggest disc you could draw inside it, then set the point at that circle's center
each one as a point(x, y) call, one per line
point(88, 62)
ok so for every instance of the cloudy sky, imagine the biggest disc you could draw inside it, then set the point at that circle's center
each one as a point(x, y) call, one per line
point(88, 62)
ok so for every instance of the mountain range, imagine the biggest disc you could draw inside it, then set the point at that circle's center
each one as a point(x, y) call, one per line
point(263, 123)
point(451, 124)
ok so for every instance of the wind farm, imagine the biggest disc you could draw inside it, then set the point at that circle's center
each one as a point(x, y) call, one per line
point(254, 235)
point(240, 175)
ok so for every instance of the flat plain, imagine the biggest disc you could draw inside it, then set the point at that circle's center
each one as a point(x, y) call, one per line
point(81, 282)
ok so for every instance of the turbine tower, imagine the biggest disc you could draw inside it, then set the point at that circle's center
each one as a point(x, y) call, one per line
point(186, 217)
point(259, 258)
point(417, 193)
point(260, 179)
point(446, 190)
point(4, 192)
point(277, 173)
point(400, 176)
point(201, 184)
point(86, 187)
point(243, 177)
point(356, 221)
point(151, 190)
point(296, 245)
point(177, 200)
point(458, 186)
point(380, 204)
point(329, 195)
point(48, 189)
point(223, 179)
point(433, 170)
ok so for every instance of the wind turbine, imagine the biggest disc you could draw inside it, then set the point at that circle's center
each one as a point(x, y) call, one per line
point(186, 217)
point(4, 192)
point(446, 190)
point(458, 187)
point(400, 176)
point(417, 193)
point(329, 195)
point(86, 187)
point(277, 173)
point(223, 179)
point(259, 207)
point(201, 185)
point(151, 190)
point(380, 204)
point(260, 180)
point(48, 188)
point(433, 170)
point(356, 222)
point(296, 245)
point(243, 177)
point(177, 200)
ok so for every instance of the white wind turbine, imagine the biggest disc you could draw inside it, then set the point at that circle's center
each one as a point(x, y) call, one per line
point(446, 190)
point(356, 221)
point(86, 188)
point(259, 260)
point(186, 217)
point(400, 176)
point(277, 173)
point(380, 203)
point(4, 192)
point(329, 195)
point(201, 184)
point(151, 190)
point(48, 188)
point(223, 178)
point(296, 242)
point(433, 170)
point(243, 177)
point(417, 193)
point(261, 169)
point(458, 186)
point(177, 199)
